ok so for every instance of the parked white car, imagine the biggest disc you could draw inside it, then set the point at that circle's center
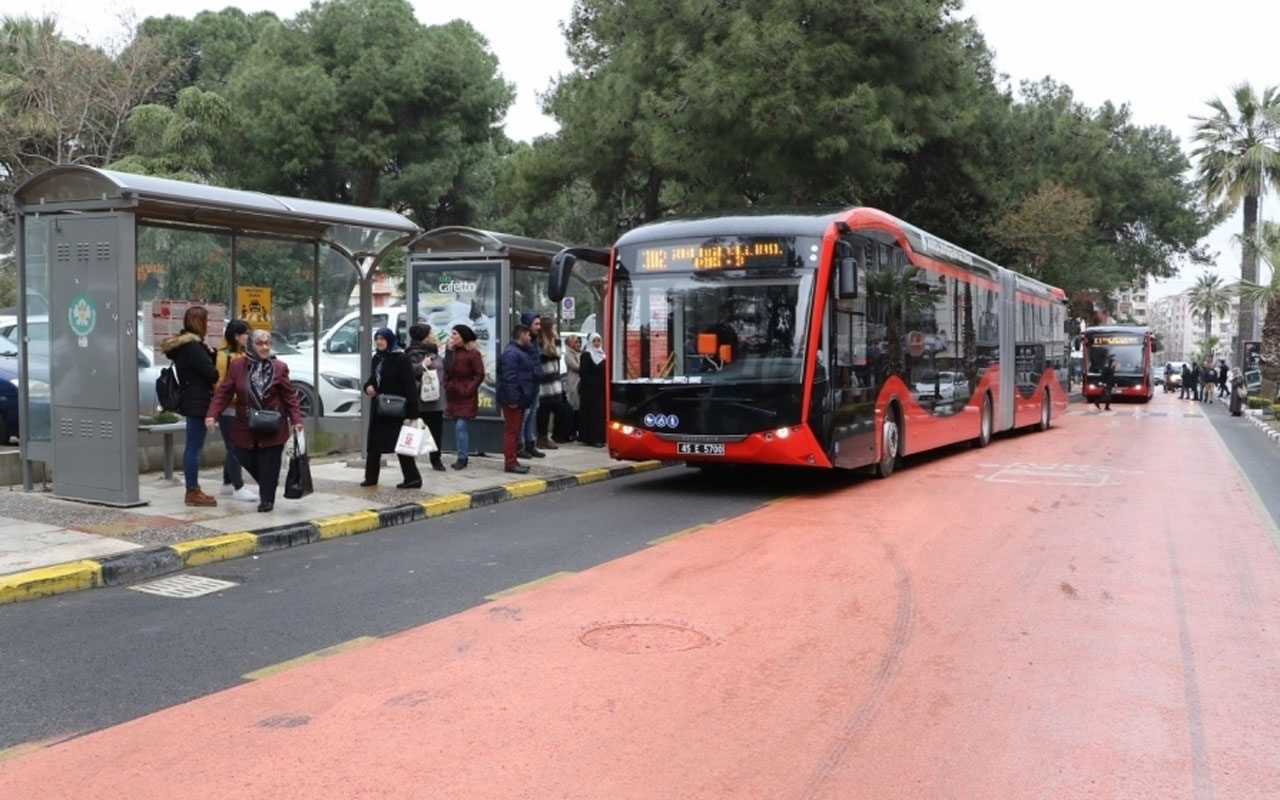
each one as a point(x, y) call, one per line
point(947, 387)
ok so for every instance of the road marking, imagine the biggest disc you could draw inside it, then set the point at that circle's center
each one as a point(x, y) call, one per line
point(1054, 474)
point(19, 750)
point(679, 533)
point(524, 587)
point(183, 586)
point(341, 647)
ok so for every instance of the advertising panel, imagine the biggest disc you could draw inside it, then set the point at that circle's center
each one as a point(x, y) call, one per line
point(466, 295)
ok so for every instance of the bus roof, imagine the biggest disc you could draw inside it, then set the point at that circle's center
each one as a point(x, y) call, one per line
point(765, 222)
point(1115, 328)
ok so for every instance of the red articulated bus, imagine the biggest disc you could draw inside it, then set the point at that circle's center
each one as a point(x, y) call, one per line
point(1131, 347)
point(839, 339)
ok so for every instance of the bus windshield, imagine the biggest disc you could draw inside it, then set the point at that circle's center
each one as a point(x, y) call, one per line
point(712, 328)
point(1129, 358)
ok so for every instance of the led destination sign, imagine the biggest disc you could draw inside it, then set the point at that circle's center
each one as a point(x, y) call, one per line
point(714, 255)
point(1114, 339)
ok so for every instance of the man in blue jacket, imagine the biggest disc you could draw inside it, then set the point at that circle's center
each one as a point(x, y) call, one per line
point(527, 443)
point(517, 389)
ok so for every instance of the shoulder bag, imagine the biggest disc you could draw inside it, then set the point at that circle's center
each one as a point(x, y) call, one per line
point(262, 421)
point(390, 405)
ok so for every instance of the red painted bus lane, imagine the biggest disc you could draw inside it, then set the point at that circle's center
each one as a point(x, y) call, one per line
point(1086, 612)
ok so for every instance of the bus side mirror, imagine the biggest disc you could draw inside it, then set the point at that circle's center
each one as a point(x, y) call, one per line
point(847, 274)
point(558, 280)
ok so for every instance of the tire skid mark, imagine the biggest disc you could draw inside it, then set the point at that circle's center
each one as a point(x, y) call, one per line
point(890, 665)
point(1201, 776)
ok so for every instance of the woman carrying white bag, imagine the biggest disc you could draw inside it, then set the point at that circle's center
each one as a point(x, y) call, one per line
point(415, 440)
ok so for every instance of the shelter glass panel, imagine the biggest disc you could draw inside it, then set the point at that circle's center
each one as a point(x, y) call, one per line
point(176, 269)
point(36, 254)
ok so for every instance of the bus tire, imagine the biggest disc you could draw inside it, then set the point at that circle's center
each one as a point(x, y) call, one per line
point(1046, 418)
point(890, 443)
point(986, 424)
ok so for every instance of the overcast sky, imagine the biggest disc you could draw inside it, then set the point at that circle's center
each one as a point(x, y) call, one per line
point(1165, 58)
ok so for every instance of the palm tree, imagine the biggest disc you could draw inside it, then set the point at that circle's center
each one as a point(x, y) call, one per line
point(1208, 297)
point(1239, 159)
point(1267, 245)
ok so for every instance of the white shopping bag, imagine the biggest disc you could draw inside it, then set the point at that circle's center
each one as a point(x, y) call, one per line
point(415, 440)
point(297, 445)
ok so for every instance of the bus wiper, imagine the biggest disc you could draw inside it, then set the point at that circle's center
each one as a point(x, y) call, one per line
point(638, 407)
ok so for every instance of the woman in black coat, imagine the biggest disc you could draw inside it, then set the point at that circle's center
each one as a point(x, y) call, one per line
point(392, 375)
point(197, 376)
point(591, 371)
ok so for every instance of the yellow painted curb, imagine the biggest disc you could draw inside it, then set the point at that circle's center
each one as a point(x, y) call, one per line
point(527, 488)
point(215, 548)
point(43, 581)
point(645, 466)
point(445, 504)
point(347, 524)
point(593, 475)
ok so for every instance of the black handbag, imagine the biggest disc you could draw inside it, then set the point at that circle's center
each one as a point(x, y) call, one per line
point(390, 405)
point(262, 421)
point(297, 482)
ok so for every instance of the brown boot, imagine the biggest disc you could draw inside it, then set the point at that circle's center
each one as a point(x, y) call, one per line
point(546, 444)
point(195, 497)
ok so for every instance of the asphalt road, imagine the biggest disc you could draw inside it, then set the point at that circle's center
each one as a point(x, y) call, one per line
point(87, 660)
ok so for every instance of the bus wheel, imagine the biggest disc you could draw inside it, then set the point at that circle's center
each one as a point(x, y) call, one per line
point(1044, 412)
point(985, 425)
point(890, 438)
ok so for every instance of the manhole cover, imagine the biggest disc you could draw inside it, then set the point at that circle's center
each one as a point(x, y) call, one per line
point(644, 637)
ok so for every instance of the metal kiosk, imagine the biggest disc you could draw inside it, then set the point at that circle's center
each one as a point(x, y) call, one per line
point(484, 280)
point(77, 233)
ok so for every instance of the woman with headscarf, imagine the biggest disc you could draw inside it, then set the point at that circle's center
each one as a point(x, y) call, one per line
point(234, 346)
point(392, 374)
point(1238, 392)
point(463, 374)
point(572, 378)
point(591, 394)
point(258, 380)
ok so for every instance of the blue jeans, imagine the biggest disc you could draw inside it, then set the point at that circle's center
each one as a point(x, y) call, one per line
point(529, 427)
point(191, 453)
point(231, 468)
point(462, 437)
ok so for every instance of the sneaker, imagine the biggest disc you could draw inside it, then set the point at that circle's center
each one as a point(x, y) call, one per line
point(227, 490)
point(246, 494)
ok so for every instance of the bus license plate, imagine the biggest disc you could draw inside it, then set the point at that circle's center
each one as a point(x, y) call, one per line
point(699, 449)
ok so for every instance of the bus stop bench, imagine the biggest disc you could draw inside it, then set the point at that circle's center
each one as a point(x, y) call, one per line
point(166, 431)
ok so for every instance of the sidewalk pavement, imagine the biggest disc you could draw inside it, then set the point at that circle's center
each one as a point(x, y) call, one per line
point(49, 546)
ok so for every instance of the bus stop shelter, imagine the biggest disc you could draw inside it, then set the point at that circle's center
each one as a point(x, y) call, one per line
point(485, 280)
point(107, 260)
